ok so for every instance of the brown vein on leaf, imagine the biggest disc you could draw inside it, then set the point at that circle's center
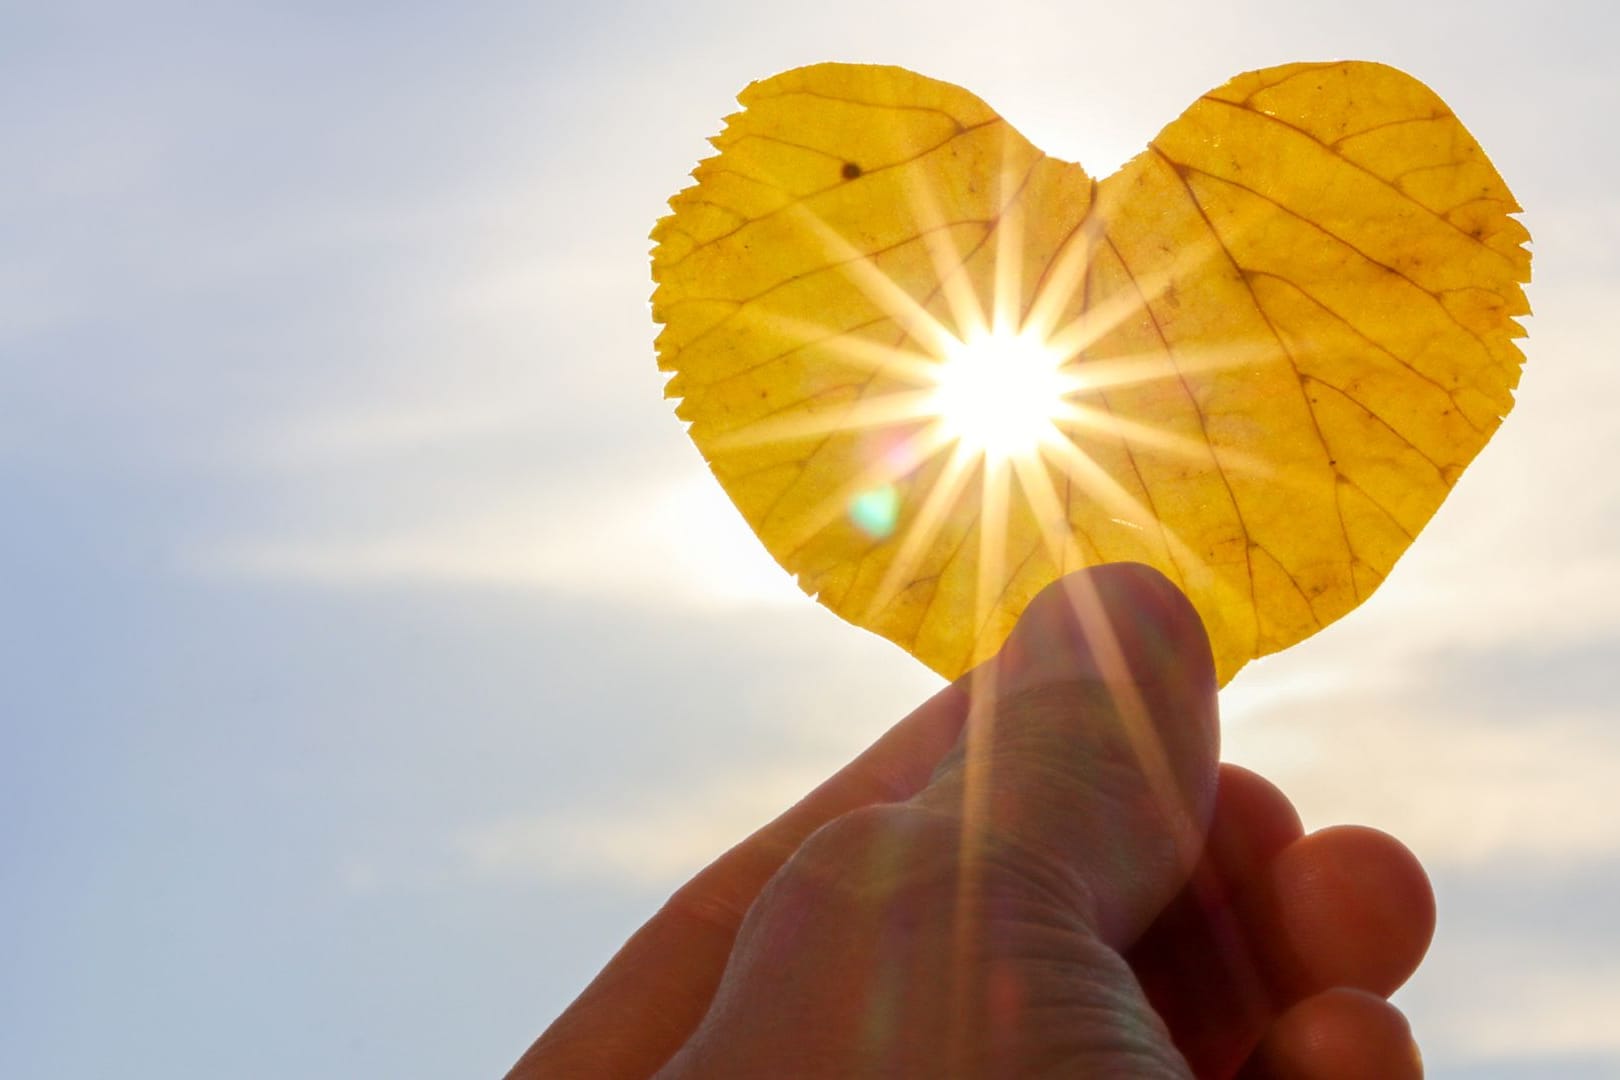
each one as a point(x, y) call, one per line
point(971, 528)
point(722, 207)
point(1293, 581)
point(805, 275)
point(1303, 70)
point(1399, 178)
point(801, 347)
point(797, 466)
point(1124, 441)
point(1086, 219)
point(1203, 427)
point(860, 103)
point(679, 231)
point(710, 166)
point(1007, 578)
point(1057, 254)
point(1509, 209)
point(1458, 289)
point(1451, 394)
point(910, 642)
point(1382, 509)
point(799, 403)
point(1364, 407)
point(1068, 517)
point(778, 140)
point(1331, 235)
point(1342, 139)
point(796, 200)
point(1334, 150)
point(1147, 489)
point(683, 301)
point(1293, 362)
point(1074, 527)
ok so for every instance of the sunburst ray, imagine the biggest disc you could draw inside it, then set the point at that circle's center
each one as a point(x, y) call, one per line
point(942, 497)
point(860, 414)
point(911, 316)
point(1138, 434)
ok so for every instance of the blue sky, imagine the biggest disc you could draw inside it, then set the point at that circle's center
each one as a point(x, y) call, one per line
point(377, 651)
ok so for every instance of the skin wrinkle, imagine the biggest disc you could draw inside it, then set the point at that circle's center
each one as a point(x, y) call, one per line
point(1054, 717)
point(1039, 903)
point(1057, 905)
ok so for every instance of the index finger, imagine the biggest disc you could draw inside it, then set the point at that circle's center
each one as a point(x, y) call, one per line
point(646, 1002)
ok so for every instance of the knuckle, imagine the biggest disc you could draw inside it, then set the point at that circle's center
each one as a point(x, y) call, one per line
point(870, 855)
point(911, 857)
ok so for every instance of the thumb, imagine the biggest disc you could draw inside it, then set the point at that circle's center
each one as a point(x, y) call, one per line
point(977, 929)
point(1091, 745)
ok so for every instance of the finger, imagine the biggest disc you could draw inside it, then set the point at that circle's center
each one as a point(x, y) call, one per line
point(1091, 743)
point(1260, 928)
point(645, 1003)
point(1253, 823)
point(1339, 1034)
point(974, 929)
point(1346, 906)
point(1195, 962)
point(892, 769)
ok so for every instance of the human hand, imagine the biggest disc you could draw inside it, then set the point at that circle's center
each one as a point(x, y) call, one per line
point(1040, 872)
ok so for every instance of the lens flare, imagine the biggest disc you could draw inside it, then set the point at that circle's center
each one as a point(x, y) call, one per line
point(876, 511)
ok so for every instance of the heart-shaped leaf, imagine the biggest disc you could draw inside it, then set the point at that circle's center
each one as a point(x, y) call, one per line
point(937, 369)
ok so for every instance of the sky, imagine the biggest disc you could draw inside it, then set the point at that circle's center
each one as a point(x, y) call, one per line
point(376, 652)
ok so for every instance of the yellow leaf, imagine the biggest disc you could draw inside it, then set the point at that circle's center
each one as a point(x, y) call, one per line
point(936, 369)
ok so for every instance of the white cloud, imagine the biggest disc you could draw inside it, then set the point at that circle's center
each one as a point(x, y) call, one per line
point(1457, 789)
point(1507, 1002)
point(651, 842)
point(320, 440)
point(677, 542)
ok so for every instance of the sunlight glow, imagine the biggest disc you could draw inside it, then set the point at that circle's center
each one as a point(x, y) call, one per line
point(999, 394)
point(982, 406)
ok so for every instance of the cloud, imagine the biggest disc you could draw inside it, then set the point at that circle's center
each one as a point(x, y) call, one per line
point(1543, 990)
point(1455, 789)
point(674, 543)
point(1550, 1009)
point(655, 841)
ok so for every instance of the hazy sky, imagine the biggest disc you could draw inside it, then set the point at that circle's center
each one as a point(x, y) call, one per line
point(375, 652)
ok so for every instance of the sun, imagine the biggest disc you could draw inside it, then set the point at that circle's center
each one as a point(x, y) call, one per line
point(998, 394)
